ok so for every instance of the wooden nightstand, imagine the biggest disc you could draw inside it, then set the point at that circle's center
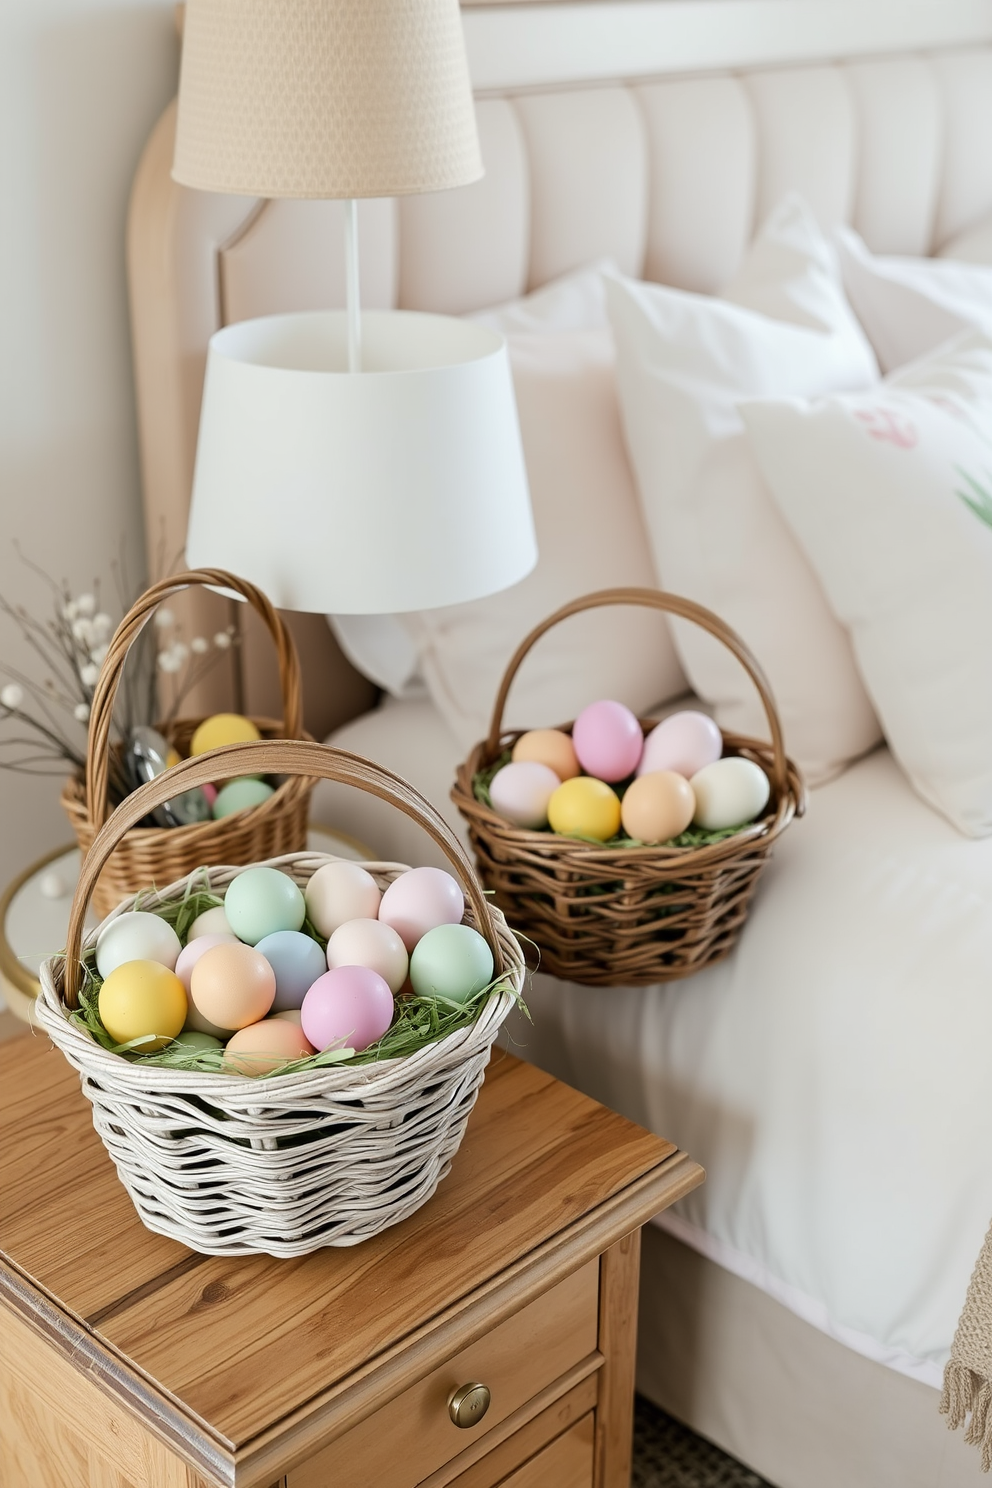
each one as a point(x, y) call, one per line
point(127, 1361)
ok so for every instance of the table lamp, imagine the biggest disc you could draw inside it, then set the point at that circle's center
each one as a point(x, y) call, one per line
point(347, 463)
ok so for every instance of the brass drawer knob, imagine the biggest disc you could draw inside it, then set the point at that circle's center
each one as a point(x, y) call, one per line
point(469, 1404)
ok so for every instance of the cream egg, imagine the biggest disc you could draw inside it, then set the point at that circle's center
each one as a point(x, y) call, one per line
point(136, 936)
point(210, 922)
point(520, 792)
point(729, 793)
point(373, 944)
point(340, 892)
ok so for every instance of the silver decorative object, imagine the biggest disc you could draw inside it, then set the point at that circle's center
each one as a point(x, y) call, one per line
point(147, 756)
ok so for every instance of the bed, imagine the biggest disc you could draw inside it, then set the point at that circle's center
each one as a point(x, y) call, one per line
point(830, 1073)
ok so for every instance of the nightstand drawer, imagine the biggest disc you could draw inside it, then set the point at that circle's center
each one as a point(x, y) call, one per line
point(414, 1436)
point(566, 1463)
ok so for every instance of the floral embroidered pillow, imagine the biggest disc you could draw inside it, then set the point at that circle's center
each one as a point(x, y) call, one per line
point(889, 493)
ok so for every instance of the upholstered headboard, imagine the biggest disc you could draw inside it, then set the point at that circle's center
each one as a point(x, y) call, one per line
point(654, 132)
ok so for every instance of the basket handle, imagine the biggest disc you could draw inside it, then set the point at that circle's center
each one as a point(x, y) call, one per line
point(270, 757)
point(105, 692)
point(672, 604)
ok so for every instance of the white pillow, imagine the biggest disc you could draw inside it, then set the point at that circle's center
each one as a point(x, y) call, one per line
point(890, 493)
point(684, 362)
point(909, 306)
point(590, 536)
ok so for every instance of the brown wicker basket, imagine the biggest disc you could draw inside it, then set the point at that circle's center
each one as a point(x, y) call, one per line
point(155, 856)
point(626, 916)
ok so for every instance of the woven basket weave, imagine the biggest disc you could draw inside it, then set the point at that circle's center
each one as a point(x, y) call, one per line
point(157, 855)
point(288, 1164)
point(622, 916)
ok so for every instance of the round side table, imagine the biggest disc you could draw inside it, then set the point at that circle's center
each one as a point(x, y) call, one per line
point(34, 914)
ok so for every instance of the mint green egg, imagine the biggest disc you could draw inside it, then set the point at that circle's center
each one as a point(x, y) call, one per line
point(261, 901)
point(451, 961)
point(239, 795)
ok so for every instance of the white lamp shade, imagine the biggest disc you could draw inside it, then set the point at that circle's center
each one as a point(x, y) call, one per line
point(325, 98)
point(399, 488)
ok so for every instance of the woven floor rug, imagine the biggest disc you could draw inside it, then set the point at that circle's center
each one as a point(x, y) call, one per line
point(668, 1455)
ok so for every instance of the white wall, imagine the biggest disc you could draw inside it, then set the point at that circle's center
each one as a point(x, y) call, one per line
point(81, 82)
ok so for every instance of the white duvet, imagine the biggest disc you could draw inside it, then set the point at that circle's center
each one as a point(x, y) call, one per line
point(833, 1075)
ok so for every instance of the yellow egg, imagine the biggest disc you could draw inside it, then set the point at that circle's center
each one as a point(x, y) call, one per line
point(658, 806)
point(140, 998)
point(584, 807)
point(221, 729)
point(548, 747)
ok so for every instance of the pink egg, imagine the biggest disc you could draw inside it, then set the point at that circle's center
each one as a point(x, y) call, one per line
point(419, 900)
point(683, 742)
point(349, 1007)
point(370, 943)
point(608, 741)
point(211, 793)
point(190, 954)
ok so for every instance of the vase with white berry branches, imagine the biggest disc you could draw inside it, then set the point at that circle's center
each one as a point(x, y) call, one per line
point(44, 712)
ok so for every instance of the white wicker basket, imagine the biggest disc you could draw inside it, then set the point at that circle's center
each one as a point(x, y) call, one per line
point(286, 1165)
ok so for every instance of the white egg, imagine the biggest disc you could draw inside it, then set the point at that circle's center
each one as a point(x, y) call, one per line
point(138, 936)
point(729, 793)
point(210, 922)
point(521, 792)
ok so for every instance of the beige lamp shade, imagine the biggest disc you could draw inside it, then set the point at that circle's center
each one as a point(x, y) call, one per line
point(325, 98)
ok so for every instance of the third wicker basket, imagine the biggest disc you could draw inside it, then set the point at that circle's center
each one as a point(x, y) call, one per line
point(621, 916)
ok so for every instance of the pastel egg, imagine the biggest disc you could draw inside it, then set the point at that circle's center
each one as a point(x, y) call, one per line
point(297, 961)
point(685, 742)
point(240, 795)
point(263, 1047)
point(210, 922)
point(261, 901)
point(232, 986)
point(349, 1007)
point(729, 793)
point(419, 900)
point(370, 943)
point(521, 792)
point(339, 892)
point(608, 740)
point(451, 961)
point(291, 1015)
point(585, 807)
point(657, 807)
point(221, 729)
point(142, 999)
point(191, 953)
point(548, 747)
point(136, 936)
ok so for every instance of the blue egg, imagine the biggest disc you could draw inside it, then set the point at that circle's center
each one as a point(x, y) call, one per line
point(297, 962)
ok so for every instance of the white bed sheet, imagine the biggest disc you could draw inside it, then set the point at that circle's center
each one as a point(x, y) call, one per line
point(832, 1074)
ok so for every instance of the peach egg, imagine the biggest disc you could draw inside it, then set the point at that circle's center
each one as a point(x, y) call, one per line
point(262, 1047)
point(657, 807)
point(548, 747)
point(232, 986)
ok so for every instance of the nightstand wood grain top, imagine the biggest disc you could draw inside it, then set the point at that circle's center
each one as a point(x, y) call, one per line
point(238, 1345)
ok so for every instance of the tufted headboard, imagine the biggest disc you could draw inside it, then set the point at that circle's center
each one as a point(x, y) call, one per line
point(655, 132)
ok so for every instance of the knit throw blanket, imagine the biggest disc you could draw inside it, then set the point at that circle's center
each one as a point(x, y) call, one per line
point(968, 1373)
